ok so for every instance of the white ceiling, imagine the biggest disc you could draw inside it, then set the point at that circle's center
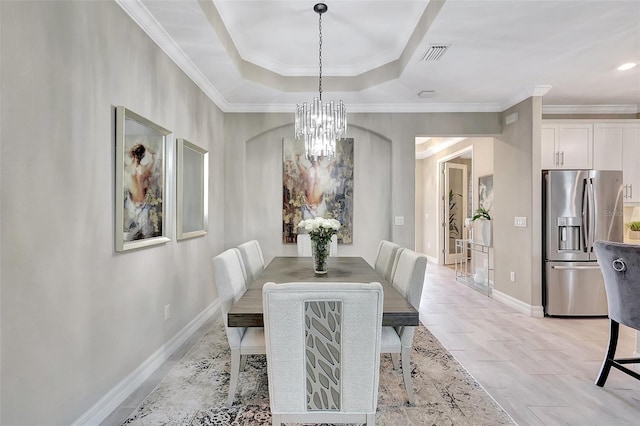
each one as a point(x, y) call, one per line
point(262, 55)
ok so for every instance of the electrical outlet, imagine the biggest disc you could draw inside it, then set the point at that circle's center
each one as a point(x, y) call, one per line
point(520, 222)
point(512, 277)
point(167, 312)
point(428, 245)
point(399, 220)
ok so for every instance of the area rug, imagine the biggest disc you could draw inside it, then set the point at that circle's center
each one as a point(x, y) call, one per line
point(194, 391)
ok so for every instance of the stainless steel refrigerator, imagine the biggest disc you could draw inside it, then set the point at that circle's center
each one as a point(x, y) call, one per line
point(579, 208)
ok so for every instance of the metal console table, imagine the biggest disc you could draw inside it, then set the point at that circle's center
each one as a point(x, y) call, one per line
point(465, 261)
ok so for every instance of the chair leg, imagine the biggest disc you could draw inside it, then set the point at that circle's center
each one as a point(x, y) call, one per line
point(614, 329)
point(243, 362)
point(406, 373)
point(371, 419)
point(395, 358)
point(276, 420)
point(235, 371)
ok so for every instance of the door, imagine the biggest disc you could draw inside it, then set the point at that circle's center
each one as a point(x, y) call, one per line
point(574, 289)
point(608, 146)
point(566, 145)
point(606, 212)
point(548, 146)
point(631, 151)
point(575, 142)
point(564, 198)
point(455, 208)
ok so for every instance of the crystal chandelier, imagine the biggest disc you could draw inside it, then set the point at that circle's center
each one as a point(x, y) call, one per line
point(320, 124)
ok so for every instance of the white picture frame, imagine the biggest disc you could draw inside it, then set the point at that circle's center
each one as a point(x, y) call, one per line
point(142, 182)
point(192, 184)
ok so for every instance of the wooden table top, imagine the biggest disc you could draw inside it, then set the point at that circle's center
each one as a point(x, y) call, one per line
point(247, 311)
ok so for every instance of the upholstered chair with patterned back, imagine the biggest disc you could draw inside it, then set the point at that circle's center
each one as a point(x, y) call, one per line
point(323, 359)
point(620, 265)
point(230, 281)
point(408, 279)
point(385, 259)
point(252, 258)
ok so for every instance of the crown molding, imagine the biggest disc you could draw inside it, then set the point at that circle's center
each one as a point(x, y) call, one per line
point(538, 90)
point(590, 109)
point(147, 22)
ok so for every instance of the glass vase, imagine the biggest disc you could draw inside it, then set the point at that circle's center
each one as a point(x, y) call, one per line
point(320, 252)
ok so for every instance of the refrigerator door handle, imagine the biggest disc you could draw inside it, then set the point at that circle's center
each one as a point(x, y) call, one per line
point(575, 267)
point(585, 218)
point(592, 217)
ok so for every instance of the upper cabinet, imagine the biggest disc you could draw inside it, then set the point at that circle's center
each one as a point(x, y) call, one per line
point(567, 145)
point(607, 146)
point(595, 144)
point(616, 146)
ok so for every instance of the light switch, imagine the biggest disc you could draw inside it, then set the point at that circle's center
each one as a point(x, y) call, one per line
point(399, 220)
point(520, 222)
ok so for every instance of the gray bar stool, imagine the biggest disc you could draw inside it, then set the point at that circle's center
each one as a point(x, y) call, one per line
point(620, 265)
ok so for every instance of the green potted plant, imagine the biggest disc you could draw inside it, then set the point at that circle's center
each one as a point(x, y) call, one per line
point(634, 230)
point(481, 213)
point(482, 227)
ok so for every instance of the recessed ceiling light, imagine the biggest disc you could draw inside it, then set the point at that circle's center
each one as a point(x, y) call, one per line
point(426, 93)
point(626, 66)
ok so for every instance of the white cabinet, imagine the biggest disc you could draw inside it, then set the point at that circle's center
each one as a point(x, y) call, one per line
point(630, 163)
point(616, 146)
point(607, 146)
point(567, 145)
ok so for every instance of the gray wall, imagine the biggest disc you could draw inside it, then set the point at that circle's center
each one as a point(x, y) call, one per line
point(516, 185)
point(254, 185)
point(77, 317)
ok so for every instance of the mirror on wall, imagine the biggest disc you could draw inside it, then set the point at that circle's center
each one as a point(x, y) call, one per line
point(456, 201)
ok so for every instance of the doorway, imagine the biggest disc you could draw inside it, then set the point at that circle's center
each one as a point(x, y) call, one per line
point(455, 193)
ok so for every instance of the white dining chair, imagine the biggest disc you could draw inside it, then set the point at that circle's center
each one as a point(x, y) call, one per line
point(408, 279)
point(385, 259)
point(230, 280)
point(252, 258)
point(323, 342)
point(303, 242)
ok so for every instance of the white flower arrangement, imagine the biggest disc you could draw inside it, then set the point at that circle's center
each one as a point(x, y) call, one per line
point(319, 228)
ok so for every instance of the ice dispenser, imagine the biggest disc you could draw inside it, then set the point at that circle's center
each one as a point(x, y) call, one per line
point(569, 233)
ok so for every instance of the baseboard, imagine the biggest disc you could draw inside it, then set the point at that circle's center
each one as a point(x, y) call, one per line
point(112, 399)
point(432, 259)
point(518, 305)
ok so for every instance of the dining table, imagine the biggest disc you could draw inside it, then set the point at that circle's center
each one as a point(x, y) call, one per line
point(247, 311)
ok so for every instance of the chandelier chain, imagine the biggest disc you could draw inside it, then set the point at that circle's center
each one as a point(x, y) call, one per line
point(320, 54)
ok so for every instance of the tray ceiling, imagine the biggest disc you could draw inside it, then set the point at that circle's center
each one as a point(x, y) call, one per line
point(263, 55)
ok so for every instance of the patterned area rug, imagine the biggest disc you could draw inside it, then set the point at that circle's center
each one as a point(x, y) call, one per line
point(194, 391)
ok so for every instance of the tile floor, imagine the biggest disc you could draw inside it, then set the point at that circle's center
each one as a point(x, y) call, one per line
point(540, 370)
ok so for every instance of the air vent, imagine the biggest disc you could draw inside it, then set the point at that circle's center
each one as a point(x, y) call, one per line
point(435, 52)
